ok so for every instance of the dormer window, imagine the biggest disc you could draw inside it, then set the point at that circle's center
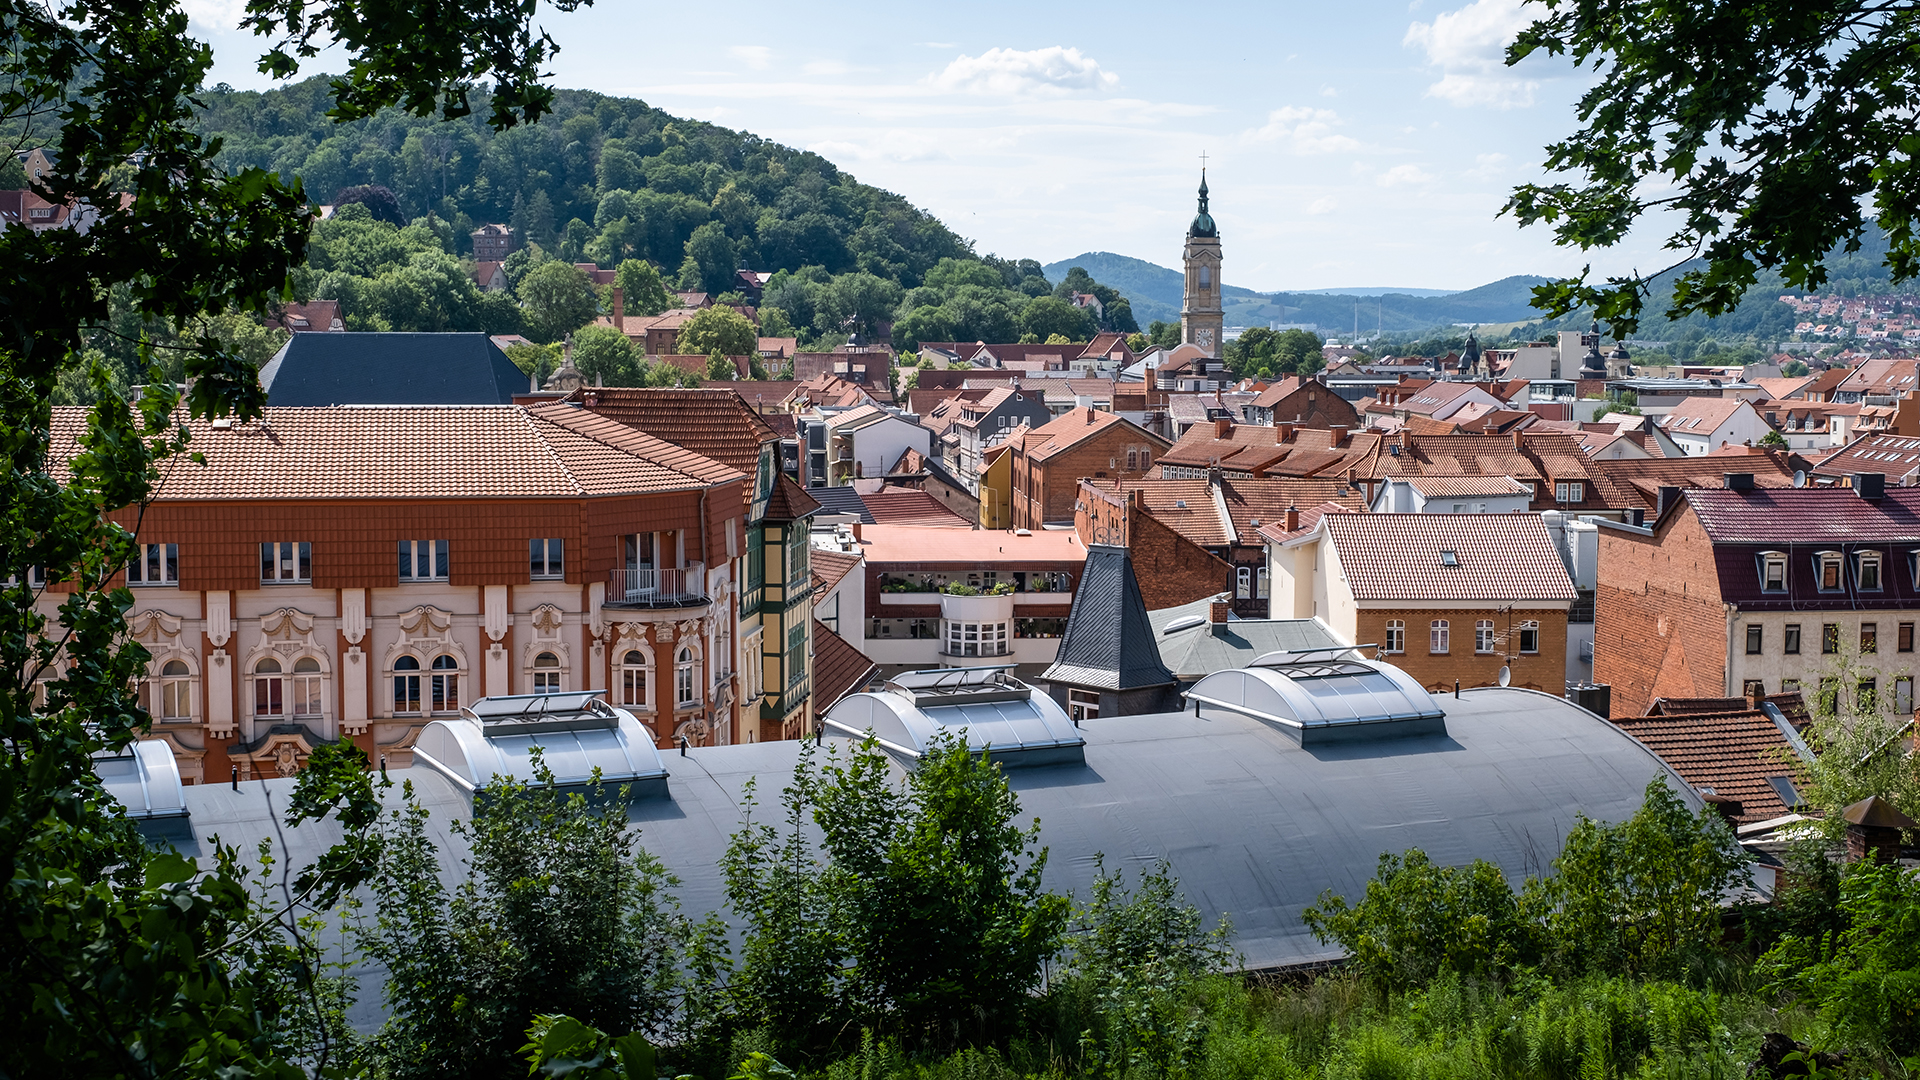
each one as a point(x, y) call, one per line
point(1773, 571)
point(1868, 574)
point(1831, 567)
point(1449, 558)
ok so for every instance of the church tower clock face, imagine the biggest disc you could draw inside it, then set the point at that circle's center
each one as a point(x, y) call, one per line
point(1202, 317)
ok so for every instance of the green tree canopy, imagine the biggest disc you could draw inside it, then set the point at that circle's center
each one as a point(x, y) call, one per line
point(642, 290)
point(608, 356)
point(1045, 316)
point(558, 298)
point(718, 331)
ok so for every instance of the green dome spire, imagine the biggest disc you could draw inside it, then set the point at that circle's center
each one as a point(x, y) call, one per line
point(1202, 221)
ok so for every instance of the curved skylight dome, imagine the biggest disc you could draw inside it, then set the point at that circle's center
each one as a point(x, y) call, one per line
point(144, 778)
point(576, 732)
point(1324, 697)
point(997, 712)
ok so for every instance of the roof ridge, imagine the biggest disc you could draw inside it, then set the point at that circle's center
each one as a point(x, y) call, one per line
point(553, 452)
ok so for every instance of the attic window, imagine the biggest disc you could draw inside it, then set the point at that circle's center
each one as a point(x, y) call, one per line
point(1449, 558)
point(1832, 571)
point(1773, 571)
point(1868, 575)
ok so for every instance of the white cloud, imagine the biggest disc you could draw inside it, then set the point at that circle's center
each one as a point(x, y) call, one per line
point(1469, 47)
point(1304, 131)
point(1487, 166)
point(1016, 72)
point(758, 57)
point(1404, 174)
point(1324, 205)
point(824, 67)
point(215, 14)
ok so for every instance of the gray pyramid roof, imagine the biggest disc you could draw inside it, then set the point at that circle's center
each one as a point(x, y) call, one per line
point(321, 369)
point(1108, 642)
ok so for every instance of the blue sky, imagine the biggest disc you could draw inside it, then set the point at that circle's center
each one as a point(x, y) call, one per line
point(1349, 144)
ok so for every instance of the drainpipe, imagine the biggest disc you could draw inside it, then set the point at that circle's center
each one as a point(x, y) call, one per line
point(1733, 616)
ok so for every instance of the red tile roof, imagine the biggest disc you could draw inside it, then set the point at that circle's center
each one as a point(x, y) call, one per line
point(839, 668)
point(377, 452)
point(1399, 557)
point(970, 548)
point(831, 567)
point(717, 424)
point(1188, 506)
point(911, 506)
point(1732, 753)
point(1898, 456)
point(1071, 428)
point(1792, 705)
point(790, 501)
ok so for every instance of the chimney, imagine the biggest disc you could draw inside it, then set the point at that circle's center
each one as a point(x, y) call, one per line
point(1668, 496)
point(1217, 615)
point(1339, 434)
point(1293, 518)
point(1282, 433)
point(1739, 481)
point(1755, 696)
point(1518, 443)
point(1089, 416)
point(1406, 439)
point(619, 310)
point(856, 532)
point(1222, 428)
point(1870, 485)
point(1873, 830)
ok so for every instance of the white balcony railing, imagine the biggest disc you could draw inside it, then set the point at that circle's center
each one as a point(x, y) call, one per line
point(656, 587)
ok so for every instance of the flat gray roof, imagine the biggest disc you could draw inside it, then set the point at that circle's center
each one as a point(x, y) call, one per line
point(1254, 825)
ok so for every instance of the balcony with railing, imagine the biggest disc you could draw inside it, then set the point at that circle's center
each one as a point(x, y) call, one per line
point(657, 587)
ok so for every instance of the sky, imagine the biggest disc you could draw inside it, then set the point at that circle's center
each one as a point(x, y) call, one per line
point(1347, 144)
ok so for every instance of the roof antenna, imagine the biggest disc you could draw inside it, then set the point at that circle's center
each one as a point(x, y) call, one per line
point(236, 778)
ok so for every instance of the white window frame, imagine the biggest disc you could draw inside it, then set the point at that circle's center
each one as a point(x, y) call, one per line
point(1821, 561)
point(547, 558)
point(1439, 637)
point(270, 689)
point(1243, 582)
point(1771, 561)
point(1396, 637)
point(635, 680)
point(547, 678)
point(686, 687)
point(1082, 704)
point(1531, 626)
point(286, 562)
point(1863, 560)
point(443, 686)
point(154, 564)
point(170, 695)
point(305, 685)
point(424, 561)
point(1569, 491)
point(1260, 583)
point(1483, 637)
point(409, 678)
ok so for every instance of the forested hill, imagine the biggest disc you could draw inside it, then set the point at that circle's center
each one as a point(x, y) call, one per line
point(616, 182)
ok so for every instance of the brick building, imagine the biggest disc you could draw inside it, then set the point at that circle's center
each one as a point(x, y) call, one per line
point(1219, 515)
point(1755, 589)
point(1304, 403)
point(1445, 596)
point(1049, 461)
point(352, 573)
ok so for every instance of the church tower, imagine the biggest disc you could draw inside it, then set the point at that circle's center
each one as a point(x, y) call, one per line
point(1201, 316)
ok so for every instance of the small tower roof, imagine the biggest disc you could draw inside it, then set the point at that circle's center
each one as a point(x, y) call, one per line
point(1203, 221)
point(1108, 641)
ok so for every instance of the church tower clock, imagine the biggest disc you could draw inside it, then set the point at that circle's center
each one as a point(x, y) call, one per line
point(1201, 315)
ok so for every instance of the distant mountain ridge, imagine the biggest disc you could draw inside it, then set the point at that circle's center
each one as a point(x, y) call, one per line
point(1155, 291)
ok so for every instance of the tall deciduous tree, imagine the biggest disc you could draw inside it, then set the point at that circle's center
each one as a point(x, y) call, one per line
point(642, 290)
point(719, 331)
point(558, 298)
point(1765, 132)
point(121, 961)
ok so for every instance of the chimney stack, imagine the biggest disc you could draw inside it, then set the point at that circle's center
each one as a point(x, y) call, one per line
point(1755, 696)
point(1668, 496)
point(1089, 415)
point(1217, 613)
point(1339, 434)
point(1222, 428)
point(1293, 518)
point(1282, 433)
point(619, 310)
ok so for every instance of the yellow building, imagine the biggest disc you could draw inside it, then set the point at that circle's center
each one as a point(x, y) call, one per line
point(996, 487)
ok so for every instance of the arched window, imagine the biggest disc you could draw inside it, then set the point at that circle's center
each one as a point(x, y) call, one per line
point(446, 684)
point(1243, 582)
point(546, 674)
point(269, 689)
point(306, 687)
point(406, 685)
point(173, 692)
point(633, 679)
point(1438, 633)
point(685, 690)
point(1483, 636)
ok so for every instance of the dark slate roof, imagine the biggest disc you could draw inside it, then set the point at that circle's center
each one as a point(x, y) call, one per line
point(1803, 522)
point(1196, 650)
point(842, 500)
point(1109, 642)
point(391, 369)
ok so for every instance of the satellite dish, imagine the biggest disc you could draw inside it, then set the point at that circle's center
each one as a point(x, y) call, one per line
point(1506, 675)
point(1799, 478)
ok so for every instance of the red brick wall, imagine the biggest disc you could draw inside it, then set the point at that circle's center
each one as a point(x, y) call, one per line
point(1659, 627)
point(1172, 569)
point(1045, 491)
point(1315, 406)
point(1545, 670)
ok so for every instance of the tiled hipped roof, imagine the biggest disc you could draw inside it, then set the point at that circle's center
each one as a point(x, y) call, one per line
point(413, 452)
point(1399, 556)
point(716, 424)
point(839, 668)
point(1732, 753)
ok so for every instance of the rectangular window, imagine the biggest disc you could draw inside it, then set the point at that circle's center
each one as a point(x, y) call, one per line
point(1903, 696)
point(547, 559)
point(1789, 686)
point(1826, 701)
point(1396, 639)
point(1530, 637)
point(1792, 639)
point(423, 560)
point(1906, 637)
point(1870, 572)
point(1775, 579)
point(154, 564)
point(1867, 695)
point(1830, 638)
point(1243, 582)
point(286, 562)
point(1829, 573)
point(1083, 704)
point(1260, 582)
point(1133, 459)
point(1569, 492)
point(1483, 636)
point(1437, 636)
point(1754, 634)
point(1869, 638)
point(796, 654)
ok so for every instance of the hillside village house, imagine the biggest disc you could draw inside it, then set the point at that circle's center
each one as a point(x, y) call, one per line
point(1444, 597)
point(353, 573)
point(1752, 589)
